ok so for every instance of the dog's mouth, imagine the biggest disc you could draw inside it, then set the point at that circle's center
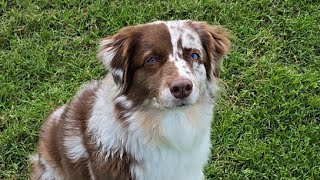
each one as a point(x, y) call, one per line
point(175, 104)
point(180, 104)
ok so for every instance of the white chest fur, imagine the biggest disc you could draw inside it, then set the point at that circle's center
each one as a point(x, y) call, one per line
point(187, 133)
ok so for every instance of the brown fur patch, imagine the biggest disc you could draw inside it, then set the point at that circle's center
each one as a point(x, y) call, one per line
point(111, 166)
point(73, 123)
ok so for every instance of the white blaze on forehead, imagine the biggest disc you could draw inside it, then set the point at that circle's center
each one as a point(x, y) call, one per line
point(180, 30)
point(175, 30)
point(191, 39)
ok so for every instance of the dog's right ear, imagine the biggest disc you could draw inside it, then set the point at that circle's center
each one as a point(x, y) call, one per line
point(115, 52)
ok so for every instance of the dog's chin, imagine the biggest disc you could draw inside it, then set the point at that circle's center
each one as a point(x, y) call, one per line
point(177, 104)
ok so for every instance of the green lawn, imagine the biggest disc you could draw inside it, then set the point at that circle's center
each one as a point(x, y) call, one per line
point(267, 122)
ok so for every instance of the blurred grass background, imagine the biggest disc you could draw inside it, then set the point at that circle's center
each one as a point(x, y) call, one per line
point(267, 123)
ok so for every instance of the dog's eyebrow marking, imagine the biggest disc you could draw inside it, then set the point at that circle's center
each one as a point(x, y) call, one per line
point(179, 46)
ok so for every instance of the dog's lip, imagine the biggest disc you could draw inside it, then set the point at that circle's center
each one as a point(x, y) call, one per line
point(176, 104)
point(181, 104)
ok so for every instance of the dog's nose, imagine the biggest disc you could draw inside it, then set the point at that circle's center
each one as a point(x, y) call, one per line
point(181, 88)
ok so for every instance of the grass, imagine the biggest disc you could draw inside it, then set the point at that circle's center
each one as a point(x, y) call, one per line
point(267, 123)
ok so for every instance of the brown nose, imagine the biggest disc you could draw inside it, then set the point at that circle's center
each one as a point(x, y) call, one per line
point(181, 88)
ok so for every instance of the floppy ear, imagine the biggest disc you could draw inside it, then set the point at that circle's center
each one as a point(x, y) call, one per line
point(216, 43)
point(115, 52)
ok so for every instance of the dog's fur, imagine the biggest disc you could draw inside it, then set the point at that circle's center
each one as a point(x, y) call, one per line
point(131, 125)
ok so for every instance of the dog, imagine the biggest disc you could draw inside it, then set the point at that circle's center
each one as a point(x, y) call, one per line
point(149, 117)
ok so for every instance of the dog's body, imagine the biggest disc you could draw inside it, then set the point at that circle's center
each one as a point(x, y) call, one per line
point(149, 119)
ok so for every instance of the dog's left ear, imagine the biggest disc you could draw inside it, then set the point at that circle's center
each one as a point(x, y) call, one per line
point(115, 52)
point(216, 43)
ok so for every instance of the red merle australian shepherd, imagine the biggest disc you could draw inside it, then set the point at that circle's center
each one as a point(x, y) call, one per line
point(149, 118)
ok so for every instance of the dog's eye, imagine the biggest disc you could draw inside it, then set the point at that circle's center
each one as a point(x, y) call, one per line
point(152, 60)
point(194, 56)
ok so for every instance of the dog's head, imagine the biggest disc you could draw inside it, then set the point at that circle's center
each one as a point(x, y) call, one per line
point(165, 64)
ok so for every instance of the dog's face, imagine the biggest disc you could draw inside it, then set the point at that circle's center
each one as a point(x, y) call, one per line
point(165, 64)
